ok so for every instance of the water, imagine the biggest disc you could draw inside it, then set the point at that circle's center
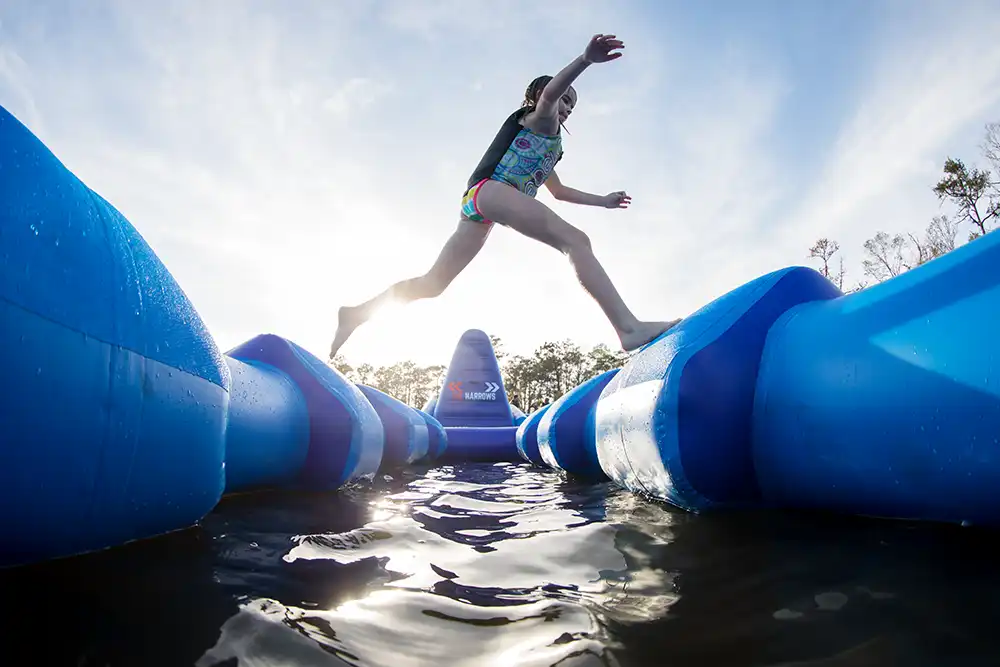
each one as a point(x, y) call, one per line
point(487, 564)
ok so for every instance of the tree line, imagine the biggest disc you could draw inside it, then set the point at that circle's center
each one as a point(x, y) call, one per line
point(973, 197)
point(530, 381)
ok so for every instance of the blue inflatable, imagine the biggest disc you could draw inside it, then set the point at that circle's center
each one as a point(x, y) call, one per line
point(267, 438)
point(675, 422)
point(473, 405)
point(337, 435)
point(437, 439)
point(122, 419)
point(114, 397)
point(406, 436)
point(527, 437)
point(785, 393)
point(566, 434)
point(517, 414)
point(886, 402)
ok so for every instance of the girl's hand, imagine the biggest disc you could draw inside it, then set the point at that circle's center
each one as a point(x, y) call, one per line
point(600, 48)
point(617, 199)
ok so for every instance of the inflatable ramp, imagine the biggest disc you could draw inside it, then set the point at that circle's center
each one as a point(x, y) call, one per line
point(473, 407)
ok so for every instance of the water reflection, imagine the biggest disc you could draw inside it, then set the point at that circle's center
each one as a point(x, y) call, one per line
point(507, 565)
point(500, 570)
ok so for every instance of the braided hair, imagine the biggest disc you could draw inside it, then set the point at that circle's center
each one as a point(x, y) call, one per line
point(534, 90)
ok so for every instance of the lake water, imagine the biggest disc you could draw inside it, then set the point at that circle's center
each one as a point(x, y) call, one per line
point(483, 564)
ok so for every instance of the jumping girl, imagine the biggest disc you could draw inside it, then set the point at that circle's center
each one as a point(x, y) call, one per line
point(502, 189)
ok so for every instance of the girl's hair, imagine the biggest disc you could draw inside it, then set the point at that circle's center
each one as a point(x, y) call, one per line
point(533, 90)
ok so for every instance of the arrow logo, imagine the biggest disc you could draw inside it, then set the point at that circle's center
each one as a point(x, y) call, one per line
point(492, 387)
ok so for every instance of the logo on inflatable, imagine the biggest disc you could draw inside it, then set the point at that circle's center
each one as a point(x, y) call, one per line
point(459, 394)
point(490, 394)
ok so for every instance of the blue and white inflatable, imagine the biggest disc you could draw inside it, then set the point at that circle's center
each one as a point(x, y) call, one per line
point(473, 405)
point(121, 419)
point(114, 399)
point(786, 393)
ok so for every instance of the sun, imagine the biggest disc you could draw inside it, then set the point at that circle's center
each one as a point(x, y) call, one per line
point(420, 331)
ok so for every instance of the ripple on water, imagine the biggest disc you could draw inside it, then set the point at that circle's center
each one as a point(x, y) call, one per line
point(492, 569)
point(425, 629)
point(511, 565)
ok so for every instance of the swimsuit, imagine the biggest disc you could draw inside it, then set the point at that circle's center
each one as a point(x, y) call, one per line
point(518, 157)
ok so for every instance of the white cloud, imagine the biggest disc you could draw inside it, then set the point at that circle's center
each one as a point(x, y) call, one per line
point(14, 73)
point(285, 162)
point(921, 100)
point(356, 94)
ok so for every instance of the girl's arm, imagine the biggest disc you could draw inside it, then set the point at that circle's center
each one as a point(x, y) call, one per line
point(573, 196)
point(548, 102)
point(598, 50)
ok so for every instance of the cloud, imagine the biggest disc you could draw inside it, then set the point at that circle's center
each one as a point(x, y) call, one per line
point(925, 92)
point(284, 161)
point(356, 94)
point(697, 161)
point(16, 93)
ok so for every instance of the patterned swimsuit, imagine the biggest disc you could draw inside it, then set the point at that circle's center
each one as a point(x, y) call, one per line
point(518, 157)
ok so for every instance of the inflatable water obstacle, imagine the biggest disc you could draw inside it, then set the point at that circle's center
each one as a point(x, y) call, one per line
point(121, 419)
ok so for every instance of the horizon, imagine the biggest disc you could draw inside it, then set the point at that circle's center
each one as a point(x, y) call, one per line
point(284, 162)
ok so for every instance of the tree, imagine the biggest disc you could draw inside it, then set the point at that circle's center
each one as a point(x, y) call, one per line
point(824, 250)
point(554, 368)
point(497, 348)
point(363, 374)
point(340, 363)
point(408, 382)
point(889, 256)
point(603, 359)
point(973, 193)
point(520, 378)
point(886, 256)
point(991, 145)
point(940, 236)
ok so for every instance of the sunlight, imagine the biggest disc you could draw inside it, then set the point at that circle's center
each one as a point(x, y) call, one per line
point(424, 332)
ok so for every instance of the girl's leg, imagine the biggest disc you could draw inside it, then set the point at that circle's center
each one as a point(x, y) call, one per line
point(463, 245)
point(534, 219)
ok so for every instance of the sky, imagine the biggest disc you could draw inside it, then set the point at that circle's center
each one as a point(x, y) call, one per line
point(283, 159)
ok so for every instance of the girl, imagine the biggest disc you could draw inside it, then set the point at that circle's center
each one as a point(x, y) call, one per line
point(502, 189)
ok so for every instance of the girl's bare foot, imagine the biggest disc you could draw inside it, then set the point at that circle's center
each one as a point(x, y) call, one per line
point(644, 333)
point(347, 321)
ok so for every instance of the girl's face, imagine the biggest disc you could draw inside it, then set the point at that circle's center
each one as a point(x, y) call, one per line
point(566, 104)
